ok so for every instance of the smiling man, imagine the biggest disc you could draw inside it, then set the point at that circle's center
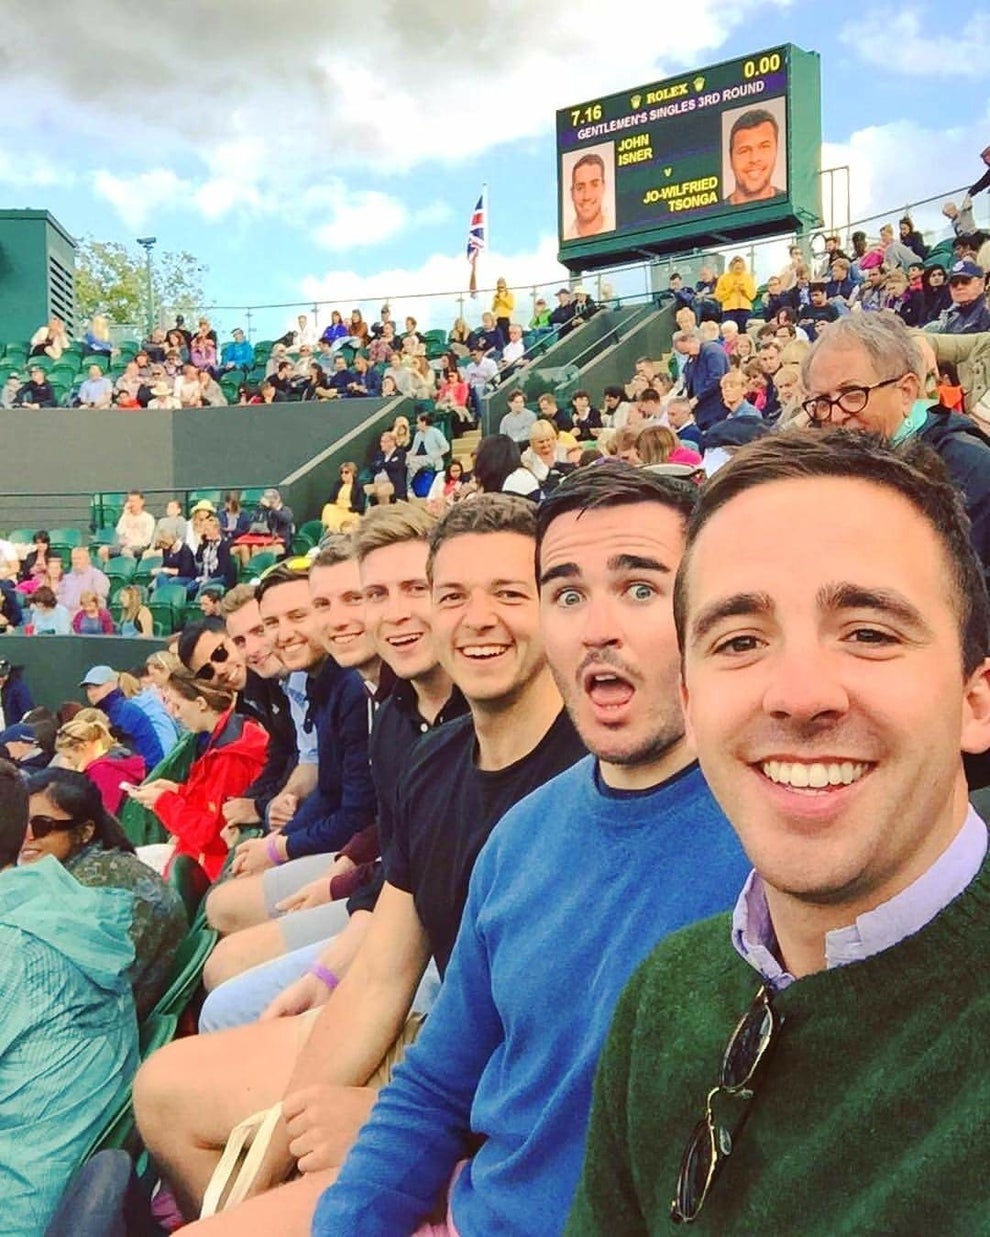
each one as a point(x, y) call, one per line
point(830, 694)
point(590, 198)
point(753, 142)
point(573, 888)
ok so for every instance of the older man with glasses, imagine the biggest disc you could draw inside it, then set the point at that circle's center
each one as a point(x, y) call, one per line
point(868, 372)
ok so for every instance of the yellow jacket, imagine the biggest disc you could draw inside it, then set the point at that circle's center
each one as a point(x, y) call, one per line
point(503, 303)
point(736, 290)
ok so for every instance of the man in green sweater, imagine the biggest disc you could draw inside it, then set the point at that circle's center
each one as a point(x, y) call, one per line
point(814, 1063)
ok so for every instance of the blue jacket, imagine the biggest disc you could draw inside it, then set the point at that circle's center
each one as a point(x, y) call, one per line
point(239, 353)
point(701, 377)
point(15, 696)
point(131, 720)
point(343, 802)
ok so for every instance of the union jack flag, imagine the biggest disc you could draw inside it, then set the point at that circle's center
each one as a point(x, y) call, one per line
point(476, 232)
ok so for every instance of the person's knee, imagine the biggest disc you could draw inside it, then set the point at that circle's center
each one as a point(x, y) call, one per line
point(227, 960)
point(227, 907)
point(159, 1097)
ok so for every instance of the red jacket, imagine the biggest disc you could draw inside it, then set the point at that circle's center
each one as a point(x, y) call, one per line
point(234, 756)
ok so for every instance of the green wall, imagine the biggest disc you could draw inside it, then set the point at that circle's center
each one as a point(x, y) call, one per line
point(54, 665)
point(53, 459)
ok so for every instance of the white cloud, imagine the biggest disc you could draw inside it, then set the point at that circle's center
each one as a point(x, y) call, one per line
point(137, 199)
point(894, 40)
point(904, 162)
point(403, 85)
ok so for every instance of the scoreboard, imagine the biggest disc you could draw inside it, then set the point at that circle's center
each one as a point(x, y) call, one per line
point(728, 152)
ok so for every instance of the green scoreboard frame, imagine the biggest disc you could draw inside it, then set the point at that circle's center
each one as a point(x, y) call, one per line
point(727, 153)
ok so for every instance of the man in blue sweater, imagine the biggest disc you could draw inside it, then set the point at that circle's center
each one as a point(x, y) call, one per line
point(706, 363)
point(574, 888)
point(102, 689)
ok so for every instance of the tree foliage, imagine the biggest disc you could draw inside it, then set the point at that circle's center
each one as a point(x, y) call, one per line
point(112, 279)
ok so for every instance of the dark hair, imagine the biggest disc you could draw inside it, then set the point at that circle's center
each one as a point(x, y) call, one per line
point(425, 416)
point(912, 470)
point(487, 513)
point(649, 396)
point(496, 457)
point(43, 596)
point(752, 119)
point(190, 634)
point(13, 813)
point(613, 483)
point(74, 793)
point(586, 160)
point(186, 685)
point(277, 576)
point(615, 392)
point(214, 594)
point(42, 535)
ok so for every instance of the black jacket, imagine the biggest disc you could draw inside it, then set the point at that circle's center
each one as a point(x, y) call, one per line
point(15, 695)
point(965, 451)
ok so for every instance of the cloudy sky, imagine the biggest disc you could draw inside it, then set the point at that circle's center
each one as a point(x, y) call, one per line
point(315, 151)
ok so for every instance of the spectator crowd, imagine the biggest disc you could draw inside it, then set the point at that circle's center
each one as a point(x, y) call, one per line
point(510, 794)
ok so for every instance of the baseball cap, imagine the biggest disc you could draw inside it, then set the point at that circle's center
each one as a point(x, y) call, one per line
point(967, 269)
point(563, 292)
point(97, 676)
point(20, 733)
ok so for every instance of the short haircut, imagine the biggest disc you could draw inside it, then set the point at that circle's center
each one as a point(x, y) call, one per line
point(614, 392)
point(581, 394)
point(912, 470)
point(612, 483)
point(487, 513)
point(279, 575)
point(888, 342)
point(548, 397)
point(584, 161)
point(752, 119)
point(391, 525)
point(337, 548)
point(516, 394)
point(13, 813)
point(190, 634)
point(236, 598)
point(214, 594)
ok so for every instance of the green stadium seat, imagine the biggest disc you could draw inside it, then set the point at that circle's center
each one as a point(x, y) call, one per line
point(211, 496)
point(142, 573)
point(21, 536)
point(129, 348)
point(190, 882)
point(140, 824)
point(251, 495)
point(313, 530)
point(120, 568)
point(103, 536)
point(67, 536)
point(42, 362)
point(97, 358)
point(255, 566)
point(196, 947)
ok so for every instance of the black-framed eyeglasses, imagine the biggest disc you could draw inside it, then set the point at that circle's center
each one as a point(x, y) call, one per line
point(851, 400)
point(217, 658)
point(42, 826)
point(711, 1142)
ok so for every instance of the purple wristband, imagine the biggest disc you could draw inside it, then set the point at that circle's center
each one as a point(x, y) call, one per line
point(272, 850)
point(325, 974)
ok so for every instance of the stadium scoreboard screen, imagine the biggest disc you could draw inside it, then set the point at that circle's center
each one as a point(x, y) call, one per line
point(728, 152)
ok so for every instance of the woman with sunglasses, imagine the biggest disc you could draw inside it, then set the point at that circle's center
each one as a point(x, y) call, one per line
point(233, 755)
point(68, 822)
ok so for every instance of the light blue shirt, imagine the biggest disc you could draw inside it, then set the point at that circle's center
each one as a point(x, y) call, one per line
point(295, 691)
point(885, 926)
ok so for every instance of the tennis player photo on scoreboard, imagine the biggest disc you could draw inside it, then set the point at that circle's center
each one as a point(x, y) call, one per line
point(587, 179)
point(754, 152)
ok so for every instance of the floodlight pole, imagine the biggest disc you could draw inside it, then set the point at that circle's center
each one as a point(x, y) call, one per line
point(148, 243)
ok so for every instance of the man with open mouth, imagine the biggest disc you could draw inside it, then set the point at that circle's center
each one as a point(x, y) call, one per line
point(833, 621)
